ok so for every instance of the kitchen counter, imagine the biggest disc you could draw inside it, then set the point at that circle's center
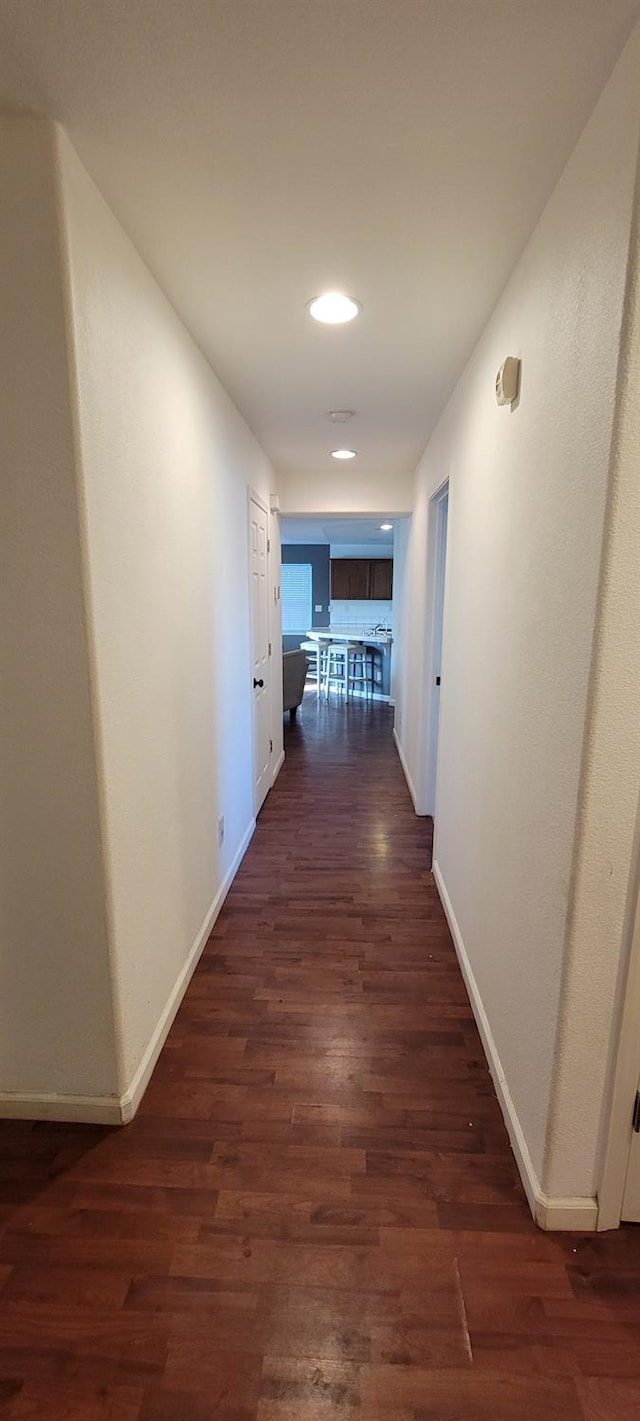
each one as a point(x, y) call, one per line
point(381, 639)
point(380, 642)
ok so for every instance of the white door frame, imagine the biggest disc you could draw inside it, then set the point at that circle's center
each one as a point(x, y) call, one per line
point(626, 1074)
point(255, 497)
point(436, 565)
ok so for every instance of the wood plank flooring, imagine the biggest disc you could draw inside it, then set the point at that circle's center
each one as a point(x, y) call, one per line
point(316, 1215)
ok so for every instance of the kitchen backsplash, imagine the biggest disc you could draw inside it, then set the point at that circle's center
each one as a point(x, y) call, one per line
point(363, 615)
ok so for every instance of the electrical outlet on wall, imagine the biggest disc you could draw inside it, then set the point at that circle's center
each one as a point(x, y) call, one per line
point(317, 607)
point(221, 831)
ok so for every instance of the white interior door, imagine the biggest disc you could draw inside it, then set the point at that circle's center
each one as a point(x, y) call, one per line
point(259, 574)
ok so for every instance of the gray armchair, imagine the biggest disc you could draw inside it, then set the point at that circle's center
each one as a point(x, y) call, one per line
point(294, 675)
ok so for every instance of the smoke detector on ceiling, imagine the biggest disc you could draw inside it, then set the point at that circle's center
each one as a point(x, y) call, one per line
point(340, 416)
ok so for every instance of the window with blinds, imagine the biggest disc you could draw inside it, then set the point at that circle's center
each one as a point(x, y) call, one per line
point(296, 587)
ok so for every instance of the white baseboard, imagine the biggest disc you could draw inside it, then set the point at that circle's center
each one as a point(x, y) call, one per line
point(412, 790)
point(568, 1214)
point(85, 1109)
point(113, 1109)
point(549, 1212)
point(277, 768)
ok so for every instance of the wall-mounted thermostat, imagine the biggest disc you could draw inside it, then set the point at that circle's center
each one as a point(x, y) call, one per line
point(508, 380)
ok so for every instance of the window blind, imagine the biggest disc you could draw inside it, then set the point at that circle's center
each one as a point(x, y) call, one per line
point(296, 585)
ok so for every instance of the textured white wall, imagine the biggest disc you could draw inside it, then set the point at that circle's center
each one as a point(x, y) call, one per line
point(56, 1029)
point(360, 550)
point(606, 865)
point(526, 513)
point(166, 460)
point(345, 490)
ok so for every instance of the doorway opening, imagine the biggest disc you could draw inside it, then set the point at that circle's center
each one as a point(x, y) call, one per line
point(338, 607)
point(437, 559)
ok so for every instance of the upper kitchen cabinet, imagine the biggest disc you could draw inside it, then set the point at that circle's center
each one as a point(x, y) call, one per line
point(381, 579)
point(361, 579)
point(340, 579)
point(350, 579)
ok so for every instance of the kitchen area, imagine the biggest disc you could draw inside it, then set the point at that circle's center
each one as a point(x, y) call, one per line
point(337, 592)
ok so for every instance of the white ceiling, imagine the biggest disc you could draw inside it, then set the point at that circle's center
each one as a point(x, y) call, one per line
point(261, 151)
point(339, 532)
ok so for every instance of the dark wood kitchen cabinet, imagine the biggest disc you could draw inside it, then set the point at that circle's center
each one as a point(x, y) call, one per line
point(350, 579)
point(361, 579)
point(340, 579)
point(381, 579)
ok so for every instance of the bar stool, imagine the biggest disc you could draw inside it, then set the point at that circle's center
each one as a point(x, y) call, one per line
point(339, 664)
point(315, 650)
point(359, 664)
point(334, 666)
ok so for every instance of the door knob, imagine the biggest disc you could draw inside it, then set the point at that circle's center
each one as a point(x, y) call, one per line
point(257, 683)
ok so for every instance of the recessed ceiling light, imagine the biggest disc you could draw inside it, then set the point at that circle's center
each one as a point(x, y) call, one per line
point(333, 309)
point(343, 453)
point(340, 416)
point(386, 527)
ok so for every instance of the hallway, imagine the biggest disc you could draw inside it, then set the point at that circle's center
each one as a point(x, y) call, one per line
point(316, 1213)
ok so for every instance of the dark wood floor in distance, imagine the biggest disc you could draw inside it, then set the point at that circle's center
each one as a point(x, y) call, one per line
point(316, 1214)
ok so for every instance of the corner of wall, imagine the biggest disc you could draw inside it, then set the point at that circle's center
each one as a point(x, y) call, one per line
point(551, 1213)
point(132, 1095)
point(407, 773)
point(62, 154)
point(602, 905)
point(55, 982)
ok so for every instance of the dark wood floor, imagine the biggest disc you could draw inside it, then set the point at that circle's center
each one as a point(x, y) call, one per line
point(316, 1213)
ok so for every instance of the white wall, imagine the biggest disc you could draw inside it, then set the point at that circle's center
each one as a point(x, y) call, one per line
point(339, 490)
point(166, 460)
point(56, 1027)
point(605, 886)
point(526, 514)
point(360, 550)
